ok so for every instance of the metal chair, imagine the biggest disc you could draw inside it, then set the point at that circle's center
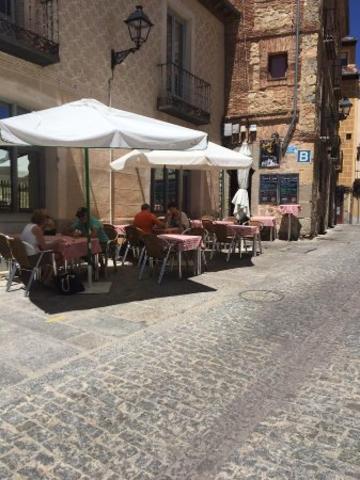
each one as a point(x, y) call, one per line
point(134, 238)
point(255, 238)
point(223, 239)
point(112, 246)
point(23, 263)
point(209, 227)
point(158, 250)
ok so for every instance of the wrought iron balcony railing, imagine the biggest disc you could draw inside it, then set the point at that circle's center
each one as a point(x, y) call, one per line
point(184, 95)
point(331, 32)
point(30, 32)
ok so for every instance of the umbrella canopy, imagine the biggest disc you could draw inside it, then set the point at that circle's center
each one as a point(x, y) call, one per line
point(241, 198)
point(213, 157)
point(88, 123)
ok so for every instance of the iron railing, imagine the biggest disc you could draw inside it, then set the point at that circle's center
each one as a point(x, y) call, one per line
point(31, 31)
point(23, 195)
point(183, 94)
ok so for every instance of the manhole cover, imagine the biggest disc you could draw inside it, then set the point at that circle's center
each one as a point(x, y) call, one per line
point(262, 296)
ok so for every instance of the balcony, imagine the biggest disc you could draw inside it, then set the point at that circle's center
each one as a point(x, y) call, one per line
point(184, 95)
point(29, 31)
point(330, 33)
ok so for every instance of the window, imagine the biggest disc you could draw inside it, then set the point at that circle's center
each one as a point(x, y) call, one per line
point(277, 66)
point(176, 52)
point(344, 59)
point(165, 188)
point(5, 7)
point(348, 136)
point(20, 173)
point(279, 189)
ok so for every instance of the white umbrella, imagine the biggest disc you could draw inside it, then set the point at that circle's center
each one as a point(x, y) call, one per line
point(241, 197)
point(88, 124)
point(213, 157)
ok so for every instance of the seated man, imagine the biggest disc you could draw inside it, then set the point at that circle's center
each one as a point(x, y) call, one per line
point(96, 227)
point(175, 218)
point(145, 220)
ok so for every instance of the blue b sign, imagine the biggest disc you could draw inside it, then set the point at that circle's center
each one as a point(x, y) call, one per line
point(304, 156)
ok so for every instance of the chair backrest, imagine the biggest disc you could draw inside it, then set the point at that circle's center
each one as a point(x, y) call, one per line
point(134, 235)
point(221, 232)
point(110, 231)
point(208, 217)
point(19, 253)
point(208, 225)
point(5, 249)
point(229, 219)
point(195, 231)
point(155, 246)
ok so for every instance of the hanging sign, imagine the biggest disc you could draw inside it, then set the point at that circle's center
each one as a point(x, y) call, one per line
point(304, 156)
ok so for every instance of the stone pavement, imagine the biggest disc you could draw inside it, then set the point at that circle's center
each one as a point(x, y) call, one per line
point(246, 372)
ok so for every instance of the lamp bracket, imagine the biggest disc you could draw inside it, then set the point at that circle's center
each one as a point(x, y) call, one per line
point(119, 57)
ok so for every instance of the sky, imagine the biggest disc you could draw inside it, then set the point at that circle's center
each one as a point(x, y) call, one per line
point(355, 24)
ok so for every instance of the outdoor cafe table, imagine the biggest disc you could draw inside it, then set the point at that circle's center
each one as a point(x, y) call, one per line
point(290, 209)
point(243, 231)
point(121, 229)
point(267, 221)
point(185, 243)
point(196, 223)
point(71, 248)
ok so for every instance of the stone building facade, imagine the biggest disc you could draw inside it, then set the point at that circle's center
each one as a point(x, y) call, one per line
point(348, 204)
point(284, 89)
point(75, 63)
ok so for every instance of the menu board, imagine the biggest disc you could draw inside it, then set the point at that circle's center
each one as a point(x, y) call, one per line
point(269, 189)
point(289, 188)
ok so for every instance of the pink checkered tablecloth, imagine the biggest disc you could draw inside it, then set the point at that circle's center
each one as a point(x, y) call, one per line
point(121, 229)
point(183, 243)
point(71, 248)
point(290, 209)
point(223, 222)
point(243, 230)
point(196, 223)
point(267, 221)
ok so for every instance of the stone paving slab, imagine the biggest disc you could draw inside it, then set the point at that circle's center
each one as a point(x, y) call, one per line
point(238, 387)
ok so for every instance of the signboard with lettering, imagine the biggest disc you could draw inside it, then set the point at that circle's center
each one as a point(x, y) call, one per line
point(268, 189)
point(291, 149)
point(304, 156)
point(288, 188)
point(270, 153)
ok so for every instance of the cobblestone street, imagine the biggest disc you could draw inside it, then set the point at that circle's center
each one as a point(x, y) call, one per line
point(241, 373)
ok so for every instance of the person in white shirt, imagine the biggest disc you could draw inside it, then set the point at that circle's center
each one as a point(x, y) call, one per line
point(175, 218)
point(34, 242)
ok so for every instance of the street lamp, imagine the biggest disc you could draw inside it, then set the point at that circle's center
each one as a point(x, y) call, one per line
point(139, 27)
point(344, 108)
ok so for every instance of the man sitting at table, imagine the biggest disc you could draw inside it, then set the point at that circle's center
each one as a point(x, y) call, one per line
point(96, 227)
point(145, 220)
point(175, 218)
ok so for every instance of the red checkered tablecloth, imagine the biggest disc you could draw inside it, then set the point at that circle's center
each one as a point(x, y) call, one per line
point(183, 243)
point(291, 209)
point(267, 221)
point(70, 247)
point(243, 230)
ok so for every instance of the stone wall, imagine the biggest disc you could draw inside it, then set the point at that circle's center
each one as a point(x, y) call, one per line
point(89, 29)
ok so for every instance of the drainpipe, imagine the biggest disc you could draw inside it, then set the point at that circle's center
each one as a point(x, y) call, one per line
point(292, 125)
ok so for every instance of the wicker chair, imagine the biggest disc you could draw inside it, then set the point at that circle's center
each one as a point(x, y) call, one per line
point(209, 227)
point(23, 264)
point(158, 250)
point(7, 255)
point(201, 232)
point(134, 239)
point(223, 239)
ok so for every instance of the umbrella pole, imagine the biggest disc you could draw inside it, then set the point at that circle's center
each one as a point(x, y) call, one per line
point(87, 199)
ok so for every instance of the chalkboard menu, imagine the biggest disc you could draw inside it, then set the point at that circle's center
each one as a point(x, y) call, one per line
point(269, 189)
point(289, 188)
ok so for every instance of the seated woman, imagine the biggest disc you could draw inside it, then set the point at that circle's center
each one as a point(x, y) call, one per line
point(34, 241)
point(175, 218)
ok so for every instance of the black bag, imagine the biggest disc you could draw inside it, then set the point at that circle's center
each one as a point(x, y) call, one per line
point(242, 218)
point(69, 283)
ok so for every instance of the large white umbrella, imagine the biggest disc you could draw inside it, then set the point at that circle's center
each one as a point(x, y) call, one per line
point(88, 123)
point(213, 157)
point(241, 197)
